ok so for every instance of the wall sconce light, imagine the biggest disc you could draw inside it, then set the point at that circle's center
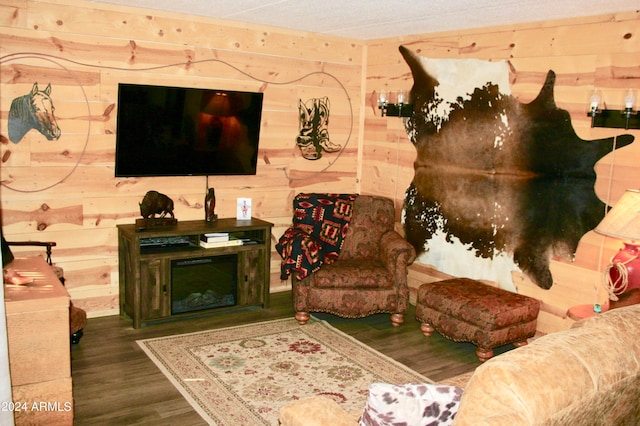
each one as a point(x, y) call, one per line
point(626, 118)
point(399, 109)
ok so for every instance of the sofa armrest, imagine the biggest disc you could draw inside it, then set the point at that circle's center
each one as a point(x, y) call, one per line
point(572, 377)
point(396, 253)
point(316, 411)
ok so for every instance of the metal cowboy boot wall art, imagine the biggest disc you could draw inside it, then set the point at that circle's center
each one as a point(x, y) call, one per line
point(314, 133)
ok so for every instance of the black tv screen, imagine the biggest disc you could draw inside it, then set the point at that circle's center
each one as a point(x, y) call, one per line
point(176, 131)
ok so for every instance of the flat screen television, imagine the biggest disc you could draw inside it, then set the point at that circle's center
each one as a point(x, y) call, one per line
point(177, 131)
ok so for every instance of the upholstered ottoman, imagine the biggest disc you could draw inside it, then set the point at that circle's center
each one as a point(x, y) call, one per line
point(466, 310)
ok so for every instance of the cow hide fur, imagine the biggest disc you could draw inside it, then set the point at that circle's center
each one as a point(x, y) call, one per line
point(495, 178)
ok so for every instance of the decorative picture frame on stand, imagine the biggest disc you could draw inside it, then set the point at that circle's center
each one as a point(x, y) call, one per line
point(244, 209)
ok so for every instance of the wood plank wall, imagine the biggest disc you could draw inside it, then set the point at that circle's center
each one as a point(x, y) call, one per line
point(600, 51)
point(65, 190)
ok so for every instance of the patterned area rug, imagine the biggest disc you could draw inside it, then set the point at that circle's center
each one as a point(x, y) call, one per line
point(242, 375)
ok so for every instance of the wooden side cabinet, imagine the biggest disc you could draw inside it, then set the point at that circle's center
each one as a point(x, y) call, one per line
point(166, 274)
point(39, 346)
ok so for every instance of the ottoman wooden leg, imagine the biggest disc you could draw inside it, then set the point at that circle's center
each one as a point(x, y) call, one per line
point(397, 319)
point(302, 317)
point(427, 329)
point(520, 343)
point(484, 354)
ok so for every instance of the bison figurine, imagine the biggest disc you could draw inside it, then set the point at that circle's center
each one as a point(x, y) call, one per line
point(156, 203)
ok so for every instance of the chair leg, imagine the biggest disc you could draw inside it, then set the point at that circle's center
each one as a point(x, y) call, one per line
point(302, 317)
point(427, 329)
point(484, 353)
point(397, 319)
point(75, 337)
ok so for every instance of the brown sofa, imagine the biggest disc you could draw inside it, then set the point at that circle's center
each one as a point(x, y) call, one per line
point(587, 375)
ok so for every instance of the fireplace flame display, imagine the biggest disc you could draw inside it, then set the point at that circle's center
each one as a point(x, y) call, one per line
point(207, 300)
point(203, 283)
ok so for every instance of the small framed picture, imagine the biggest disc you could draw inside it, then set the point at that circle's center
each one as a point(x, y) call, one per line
point(244, 209)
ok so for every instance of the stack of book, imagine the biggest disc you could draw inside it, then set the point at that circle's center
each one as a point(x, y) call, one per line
point(218, 239)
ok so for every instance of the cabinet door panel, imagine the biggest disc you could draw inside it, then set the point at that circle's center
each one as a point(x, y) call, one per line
point(154, 289)
point(127, 265)
point(251, 277)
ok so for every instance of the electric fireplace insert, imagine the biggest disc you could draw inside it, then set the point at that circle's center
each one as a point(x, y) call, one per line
point(204, 283)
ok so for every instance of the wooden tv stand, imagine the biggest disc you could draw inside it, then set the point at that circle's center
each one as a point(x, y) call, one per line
point(145, 271)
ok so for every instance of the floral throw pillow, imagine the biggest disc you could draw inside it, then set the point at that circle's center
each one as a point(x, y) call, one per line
point(418, 404)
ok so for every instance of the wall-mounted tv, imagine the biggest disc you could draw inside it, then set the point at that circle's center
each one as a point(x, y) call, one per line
point(177, 131)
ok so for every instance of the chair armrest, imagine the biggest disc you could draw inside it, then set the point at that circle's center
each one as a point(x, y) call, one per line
point(396, 253)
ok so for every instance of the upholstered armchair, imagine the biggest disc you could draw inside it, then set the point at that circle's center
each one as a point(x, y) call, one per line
point(345, 258)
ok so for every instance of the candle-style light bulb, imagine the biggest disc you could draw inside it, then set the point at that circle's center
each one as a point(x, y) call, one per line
point(401, 97)
point(594, 104)
point(382, 99)
point(595, 101)
point(629, 101)
point(382, 102)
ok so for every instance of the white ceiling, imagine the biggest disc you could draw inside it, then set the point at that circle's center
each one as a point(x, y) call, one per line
point(371, 19)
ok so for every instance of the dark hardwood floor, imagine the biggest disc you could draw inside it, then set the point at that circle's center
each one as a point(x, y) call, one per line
point(114, 383)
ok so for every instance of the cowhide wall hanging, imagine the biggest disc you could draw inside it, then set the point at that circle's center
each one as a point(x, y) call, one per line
point(499, 184)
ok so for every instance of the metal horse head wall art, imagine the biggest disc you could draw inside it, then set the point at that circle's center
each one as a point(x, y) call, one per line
point(33, 111)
